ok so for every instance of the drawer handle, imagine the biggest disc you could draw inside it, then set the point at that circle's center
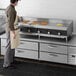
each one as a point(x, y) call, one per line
point(21, 43)
point(52, 46)
point(72, 47)
point(73, 56)
point(20, 51)
point(55, 55)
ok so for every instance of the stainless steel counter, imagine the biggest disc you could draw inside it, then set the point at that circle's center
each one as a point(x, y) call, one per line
point(47, 45)
point(46, 49)
point(71, 42)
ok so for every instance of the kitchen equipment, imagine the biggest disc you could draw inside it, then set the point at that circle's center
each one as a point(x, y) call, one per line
point(48, 27)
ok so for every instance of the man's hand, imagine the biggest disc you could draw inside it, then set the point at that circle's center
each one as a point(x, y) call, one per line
point(20, 19)
point(13, 34)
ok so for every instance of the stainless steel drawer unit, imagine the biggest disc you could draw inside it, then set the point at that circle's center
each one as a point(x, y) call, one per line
point(28, 45)
point(53, 48)
point(53, 57)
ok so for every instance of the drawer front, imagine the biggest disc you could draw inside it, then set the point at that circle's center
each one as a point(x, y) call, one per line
point(53, 57)
point(3, 50)
point(53, 48)
point(72, 59)
point(22, 53)
point(3, 42)
point(28, 45)
point(72, 50)
point(26, 54)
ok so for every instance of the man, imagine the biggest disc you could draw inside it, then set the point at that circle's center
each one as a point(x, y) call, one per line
point(10, 16)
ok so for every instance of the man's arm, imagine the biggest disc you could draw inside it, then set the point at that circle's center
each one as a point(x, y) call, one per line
point(11, 19)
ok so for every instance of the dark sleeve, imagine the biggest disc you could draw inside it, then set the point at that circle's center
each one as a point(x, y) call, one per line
point(20, 19)
point(11, 19)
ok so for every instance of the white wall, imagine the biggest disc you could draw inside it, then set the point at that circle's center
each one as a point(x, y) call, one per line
point(65, 9)
point(4, 3)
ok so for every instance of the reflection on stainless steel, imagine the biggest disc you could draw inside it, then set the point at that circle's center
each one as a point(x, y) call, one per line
point(2, 21)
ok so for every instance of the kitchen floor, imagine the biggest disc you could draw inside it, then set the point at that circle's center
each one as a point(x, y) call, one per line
point(37, 68)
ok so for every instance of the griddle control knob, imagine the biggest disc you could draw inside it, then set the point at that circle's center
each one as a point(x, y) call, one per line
point(48, 32)
point(59, 33)
point(28, 30)
point(38, 31)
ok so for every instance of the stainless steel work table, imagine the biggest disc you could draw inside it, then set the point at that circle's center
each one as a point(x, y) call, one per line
point(66, 53)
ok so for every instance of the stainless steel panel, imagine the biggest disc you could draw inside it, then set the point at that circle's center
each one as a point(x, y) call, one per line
point(72, 59)
point(3, 50)
point(71, 50)
point(53, 57)
point(58, 27)
point(72, 55)
point(26, 54)
point(28, 45)
point(29, 30)
point(22, 53)
point(53, 48)
point(2, 21)
point(2, 11)
point(3, 42)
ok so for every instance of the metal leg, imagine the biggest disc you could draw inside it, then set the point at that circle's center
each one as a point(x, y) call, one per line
point(38, 50)
point(67, 49)
point(38, 44)
point(0, 46)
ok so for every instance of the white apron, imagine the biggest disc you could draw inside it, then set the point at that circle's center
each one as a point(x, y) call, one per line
point(15, 42)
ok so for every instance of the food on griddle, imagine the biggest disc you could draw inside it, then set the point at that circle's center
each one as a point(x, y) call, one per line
point(25, 21)
point(59, 25)
point(43, 23)
point(35, 23)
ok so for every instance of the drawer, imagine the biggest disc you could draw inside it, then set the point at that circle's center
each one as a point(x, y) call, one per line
point(28, 45)
point(72, 50)
point(26, 54)
point(72, 59)
point(3, 42)
point(53, 57)
point(3, 50)
point(53, 48)
point(22, 53)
